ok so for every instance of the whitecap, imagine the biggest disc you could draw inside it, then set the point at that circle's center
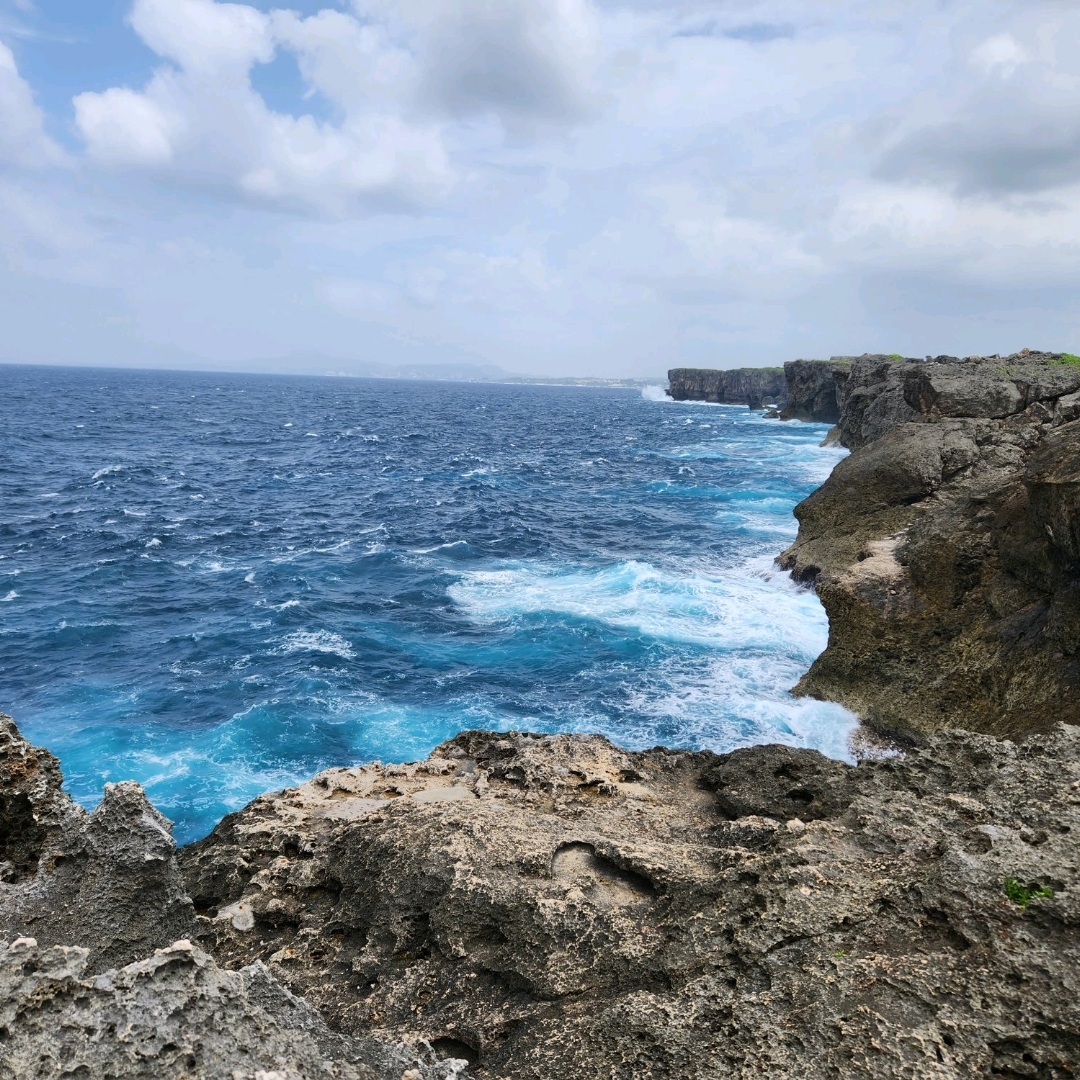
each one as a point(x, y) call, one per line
point(727, 610)
point(250, 577)
point(50, 495)
point(10, 596)
point(439, 547)
point(134, 513)
point(288, 604)
point(107, 471)
point(153, 543)
point(322, 641)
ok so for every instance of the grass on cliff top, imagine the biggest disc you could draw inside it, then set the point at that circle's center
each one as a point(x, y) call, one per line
point(1067, 358)
point(1023, 895)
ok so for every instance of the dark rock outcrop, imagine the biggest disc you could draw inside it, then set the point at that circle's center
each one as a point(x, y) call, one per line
point(813, 389)
point(738, 386)
point(551, 906)
point(106, 880)
point(944, 548)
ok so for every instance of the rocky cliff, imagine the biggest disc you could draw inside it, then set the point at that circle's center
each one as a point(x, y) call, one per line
point(945, 547)
point(813, 389)
point(528, 907)
point(739, 386)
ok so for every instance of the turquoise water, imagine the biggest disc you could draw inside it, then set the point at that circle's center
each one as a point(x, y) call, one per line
point(220, 584)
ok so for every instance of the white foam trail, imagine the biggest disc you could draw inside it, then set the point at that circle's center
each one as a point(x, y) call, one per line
point(323, 641)
point(730, 610)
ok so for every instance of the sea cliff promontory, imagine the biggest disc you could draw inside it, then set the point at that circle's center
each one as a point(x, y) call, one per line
point(944, 548)
point(737, 386)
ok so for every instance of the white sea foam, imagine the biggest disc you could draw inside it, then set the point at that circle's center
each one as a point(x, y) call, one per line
point(107, 471)
point(288, 604)
point(759, 633)
point(323, 641)
point(655, 393)
point(249, 577)
point(153, 543)
point(729, 610)
point(10, 596)
point(439, 547)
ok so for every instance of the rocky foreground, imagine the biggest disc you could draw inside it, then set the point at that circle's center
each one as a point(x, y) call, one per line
point(524, 907)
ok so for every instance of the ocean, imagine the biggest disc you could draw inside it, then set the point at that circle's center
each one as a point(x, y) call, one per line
point(219, 584)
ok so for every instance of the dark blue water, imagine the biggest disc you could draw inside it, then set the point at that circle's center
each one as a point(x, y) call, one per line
point(220, 584)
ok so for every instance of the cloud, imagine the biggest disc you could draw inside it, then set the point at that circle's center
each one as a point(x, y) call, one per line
point(1009, 126)
point(23, 141)
point(1001, 54)
point(199, 118)
point(395, 77)
point(524, 60)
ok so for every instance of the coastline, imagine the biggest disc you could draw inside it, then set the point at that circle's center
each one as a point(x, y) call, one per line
point(524, 906)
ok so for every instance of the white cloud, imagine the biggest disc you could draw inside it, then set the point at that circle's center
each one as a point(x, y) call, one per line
point(1000, 54)
point(125, 128)
point(23, 141)
point(203, 121)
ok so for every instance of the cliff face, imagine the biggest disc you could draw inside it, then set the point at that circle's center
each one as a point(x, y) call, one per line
point(739, 386)
point(524, 907)
point(813, 389)
point(944, 549)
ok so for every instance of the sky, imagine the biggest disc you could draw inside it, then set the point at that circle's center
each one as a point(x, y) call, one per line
point(553, 187)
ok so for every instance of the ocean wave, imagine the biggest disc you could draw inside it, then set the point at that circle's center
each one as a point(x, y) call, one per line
point(655, 393)
point(729, 610)
point(107, 471)
point(322, 641)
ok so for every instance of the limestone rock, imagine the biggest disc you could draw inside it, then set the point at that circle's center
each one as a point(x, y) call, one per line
point(813, 389)
point(583, 911)
point(175, 1014)
point(107, 879)
point(945, 548)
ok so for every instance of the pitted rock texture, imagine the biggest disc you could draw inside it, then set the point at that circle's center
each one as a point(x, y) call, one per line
point(737, 386)
point(106, 879)
point(946, 548)
point(175, 1014)
point(551, 906)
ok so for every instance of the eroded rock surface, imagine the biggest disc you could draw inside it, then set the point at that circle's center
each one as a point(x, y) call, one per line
point(946, 548)
point(175, 1014)
point(551, 906)
point(106, 879)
